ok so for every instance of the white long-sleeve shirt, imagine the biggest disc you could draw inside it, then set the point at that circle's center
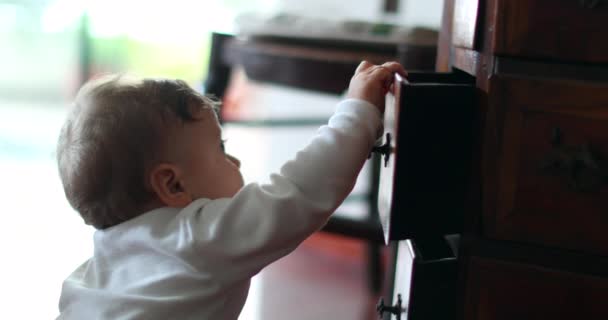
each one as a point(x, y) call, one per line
point(197, 262)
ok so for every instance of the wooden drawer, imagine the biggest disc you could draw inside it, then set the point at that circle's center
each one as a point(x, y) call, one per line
point(570, 30)
point(551, 169)
point(424, 277)
point(504, 290)
point(428, 144)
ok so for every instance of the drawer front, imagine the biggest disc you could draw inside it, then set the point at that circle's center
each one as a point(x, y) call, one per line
point(425, 279)
point(500, 290)
point(424, 179)
point(570, 30)
point(552, 168)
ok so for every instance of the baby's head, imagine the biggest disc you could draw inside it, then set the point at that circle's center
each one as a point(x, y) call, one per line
point(131, 145)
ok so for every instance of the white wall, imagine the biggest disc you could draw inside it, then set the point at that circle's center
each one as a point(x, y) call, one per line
point(422, 12)
point(411, 12)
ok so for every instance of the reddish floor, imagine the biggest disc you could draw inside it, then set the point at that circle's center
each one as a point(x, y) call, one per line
point(325, 278)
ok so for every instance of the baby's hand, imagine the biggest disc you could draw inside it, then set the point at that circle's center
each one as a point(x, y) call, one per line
point(372, 82)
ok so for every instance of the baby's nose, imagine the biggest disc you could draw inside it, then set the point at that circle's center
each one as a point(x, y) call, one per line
point(234, 160)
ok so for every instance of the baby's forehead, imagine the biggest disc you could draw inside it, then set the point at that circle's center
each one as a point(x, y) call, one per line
point(200, 111)
point(204, 132)
point(205, 122)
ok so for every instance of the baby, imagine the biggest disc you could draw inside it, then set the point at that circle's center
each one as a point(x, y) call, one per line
point(178, 234)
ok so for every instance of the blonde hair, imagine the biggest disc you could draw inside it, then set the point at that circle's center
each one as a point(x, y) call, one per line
point(115, 133)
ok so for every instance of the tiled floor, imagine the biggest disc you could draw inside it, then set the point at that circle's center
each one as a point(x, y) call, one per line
point(43, 240)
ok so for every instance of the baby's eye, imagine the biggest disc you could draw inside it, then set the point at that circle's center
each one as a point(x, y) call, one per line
point(223, 145)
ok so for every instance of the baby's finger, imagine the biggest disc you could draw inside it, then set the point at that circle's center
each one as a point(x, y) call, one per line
point(382, 73)
point(363, 66)
point(384, 76)
point(395, 67)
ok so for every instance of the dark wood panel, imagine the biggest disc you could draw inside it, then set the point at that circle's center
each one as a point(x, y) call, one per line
point(552, 70)
point(506, 290)
point(551, 172)
point(569, 30)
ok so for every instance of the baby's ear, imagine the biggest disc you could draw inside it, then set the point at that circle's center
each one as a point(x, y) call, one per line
point(166, 181)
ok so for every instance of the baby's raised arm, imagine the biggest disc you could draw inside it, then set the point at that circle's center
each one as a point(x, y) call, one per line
point(262, 223)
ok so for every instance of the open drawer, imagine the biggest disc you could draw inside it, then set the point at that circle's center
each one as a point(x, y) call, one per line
point(427, 151)
point(424, 280)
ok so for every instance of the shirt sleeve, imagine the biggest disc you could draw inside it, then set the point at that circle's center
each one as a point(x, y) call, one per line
point(238, 236)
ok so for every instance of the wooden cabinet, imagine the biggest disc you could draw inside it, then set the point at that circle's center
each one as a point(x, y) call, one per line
point(568, 30)
point(541, 74)
point(536, 210)
point(507, 290)
point(514, 282)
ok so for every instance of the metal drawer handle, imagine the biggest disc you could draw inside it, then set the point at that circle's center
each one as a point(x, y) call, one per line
point(583, 169)
point(384, 149)
point(397, 309)
point(591, 4)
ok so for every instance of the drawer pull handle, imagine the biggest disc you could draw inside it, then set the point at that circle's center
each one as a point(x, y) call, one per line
point(583, 169)
point(384, 149)
point(590, 4)
point(397, 309)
